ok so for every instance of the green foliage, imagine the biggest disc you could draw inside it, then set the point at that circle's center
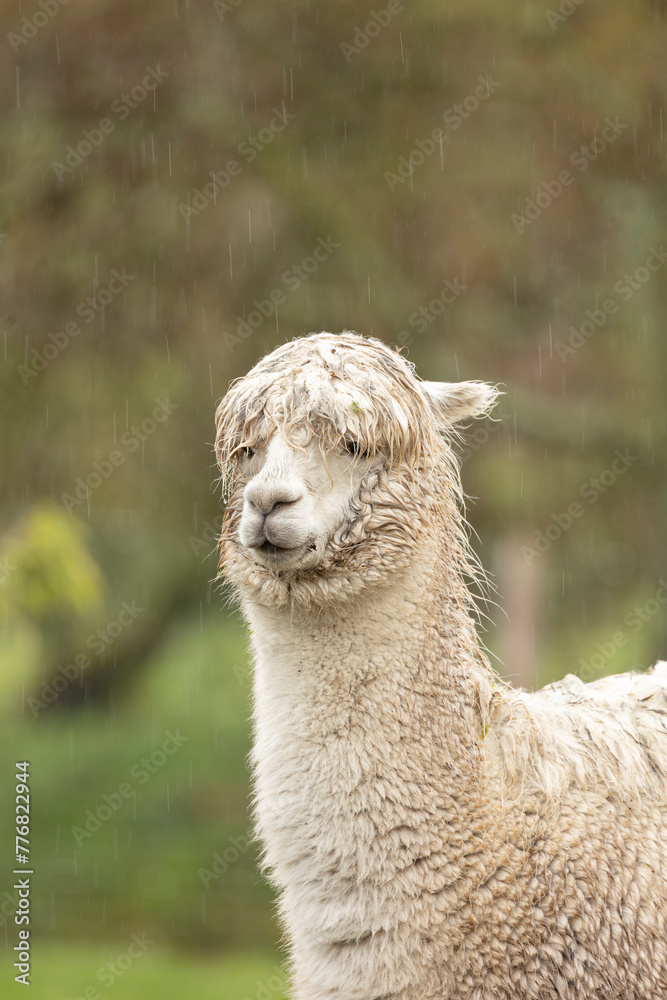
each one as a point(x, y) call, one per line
point(51, 570)
point(78, 384)
point(179, 326)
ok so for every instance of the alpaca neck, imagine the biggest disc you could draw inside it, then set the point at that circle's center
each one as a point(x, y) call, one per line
point(416, 615)
point(395, 673)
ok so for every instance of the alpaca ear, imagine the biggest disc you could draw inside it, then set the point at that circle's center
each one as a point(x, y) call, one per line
point(454, 401)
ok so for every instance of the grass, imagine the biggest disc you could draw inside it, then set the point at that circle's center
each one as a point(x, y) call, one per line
point(107, 865)
point(80, 972)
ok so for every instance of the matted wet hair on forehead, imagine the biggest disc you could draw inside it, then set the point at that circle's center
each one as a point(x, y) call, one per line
point(334, 389)
point(339, 389)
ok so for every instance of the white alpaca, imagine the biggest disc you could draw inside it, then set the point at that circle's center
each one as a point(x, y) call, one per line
point(433, 833)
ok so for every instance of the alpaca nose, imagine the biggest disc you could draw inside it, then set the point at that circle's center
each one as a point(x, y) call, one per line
point(265, 499)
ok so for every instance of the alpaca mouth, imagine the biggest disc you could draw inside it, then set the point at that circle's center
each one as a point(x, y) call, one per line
point(270, 554)
point(267, 548)
point(278, 553)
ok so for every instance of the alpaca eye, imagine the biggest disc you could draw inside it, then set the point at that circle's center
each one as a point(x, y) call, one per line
point(248, 452)
point(354, 448)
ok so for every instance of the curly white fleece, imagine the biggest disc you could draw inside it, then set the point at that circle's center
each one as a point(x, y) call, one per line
point(432, 832)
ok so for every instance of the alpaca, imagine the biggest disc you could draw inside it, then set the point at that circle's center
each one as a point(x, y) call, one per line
point(432, 832)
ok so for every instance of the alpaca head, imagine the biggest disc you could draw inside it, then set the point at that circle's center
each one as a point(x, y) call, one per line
point(338, 461)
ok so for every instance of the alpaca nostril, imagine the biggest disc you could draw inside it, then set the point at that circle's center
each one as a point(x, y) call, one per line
point(269, 502)
point(279, 505)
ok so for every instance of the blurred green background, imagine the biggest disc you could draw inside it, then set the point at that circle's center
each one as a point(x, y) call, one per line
point(486, 184)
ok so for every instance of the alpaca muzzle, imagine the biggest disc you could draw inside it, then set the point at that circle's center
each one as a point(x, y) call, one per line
point(273, 520)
